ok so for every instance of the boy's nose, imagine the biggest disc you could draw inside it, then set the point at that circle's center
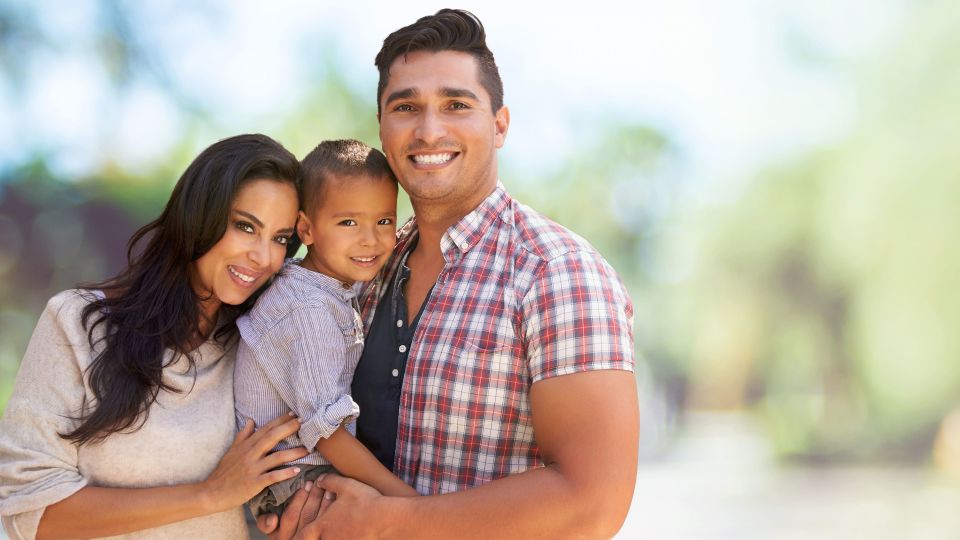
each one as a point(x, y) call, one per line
point(368, 236)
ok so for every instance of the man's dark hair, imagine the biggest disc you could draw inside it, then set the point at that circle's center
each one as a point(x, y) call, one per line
point(343, 158)
point(446, 30)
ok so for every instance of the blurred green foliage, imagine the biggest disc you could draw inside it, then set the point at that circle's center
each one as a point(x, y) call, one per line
point(820, 297)
point(824, 293)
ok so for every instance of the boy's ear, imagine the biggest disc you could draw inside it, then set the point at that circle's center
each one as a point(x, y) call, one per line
point(303, 229)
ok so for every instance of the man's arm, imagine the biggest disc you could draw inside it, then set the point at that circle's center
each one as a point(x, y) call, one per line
point(587, 427)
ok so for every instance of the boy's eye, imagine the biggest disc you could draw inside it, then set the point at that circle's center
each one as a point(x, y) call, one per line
point(244, 226)
point(385, 221)
point(348, 223)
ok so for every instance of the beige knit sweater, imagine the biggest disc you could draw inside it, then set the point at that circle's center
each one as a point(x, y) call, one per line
point(182, 440)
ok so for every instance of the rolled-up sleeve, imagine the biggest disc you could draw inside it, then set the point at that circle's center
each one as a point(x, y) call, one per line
point(37, 466)
point(305, 358)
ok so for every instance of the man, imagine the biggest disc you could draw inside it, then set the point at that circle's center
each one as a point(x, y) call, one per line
point(497, 374)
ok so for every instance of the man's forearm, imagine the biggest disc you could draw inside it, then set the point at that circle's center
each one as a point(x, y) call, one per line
point(539, 503)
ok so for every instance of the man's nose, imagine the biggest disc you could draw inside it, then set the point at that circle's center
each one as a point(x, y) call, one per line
point(431, 127)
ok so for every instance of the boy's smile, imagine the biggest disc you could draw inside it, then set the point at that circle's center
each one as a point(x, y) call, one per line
point(352, 233)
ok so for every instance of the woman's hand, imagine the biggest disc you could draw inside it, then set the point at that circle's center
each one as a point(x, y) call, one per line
point(247, 466)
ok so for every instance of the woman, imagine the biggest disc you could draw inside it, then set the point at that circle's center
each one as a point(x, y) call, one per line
point(121, 418)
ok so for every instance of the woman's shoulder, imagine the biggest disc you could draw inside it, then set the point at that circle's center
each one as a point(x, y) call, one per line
point(73, 299)
point(67, 306)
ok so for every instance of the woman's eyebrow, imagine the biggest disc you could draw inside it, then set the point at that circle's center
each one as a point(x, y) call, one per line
point(251, 217)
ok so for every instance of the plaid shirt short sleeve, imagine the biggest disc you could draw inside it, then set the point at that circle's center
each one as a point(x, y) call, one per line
point(577, 317)
point(520, 299)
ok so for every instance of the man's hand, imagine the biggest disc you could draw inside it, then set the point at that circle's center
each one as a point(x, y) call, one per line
point(349, 513)
point(302, 509)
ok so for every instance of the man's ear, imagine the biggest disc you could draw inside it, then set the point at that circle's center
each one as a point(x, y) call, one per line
point(303, 229)
point(501, 124)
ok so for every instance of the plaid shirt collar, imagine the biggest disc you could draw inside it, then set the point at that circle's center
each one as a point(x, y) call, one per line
point(467, 232)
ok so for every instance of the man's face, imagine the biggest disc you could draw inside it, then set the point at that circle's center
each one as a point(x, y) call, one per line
point(438, 131)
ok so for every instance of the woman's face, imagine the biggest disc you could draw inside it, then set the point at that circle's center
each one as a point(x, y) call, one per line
point(261, 222)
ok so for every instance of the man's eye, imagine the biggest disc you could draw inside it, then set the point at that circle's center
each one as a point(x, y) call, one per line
point(459, 105)
point(403, 107)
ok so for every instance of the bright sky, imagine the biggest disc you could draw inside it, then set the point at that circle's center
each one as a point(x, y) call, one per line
point(735, 84)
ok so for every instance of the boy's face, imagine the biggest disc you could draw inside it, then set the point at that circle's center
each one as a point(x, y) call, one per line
point(352, 233)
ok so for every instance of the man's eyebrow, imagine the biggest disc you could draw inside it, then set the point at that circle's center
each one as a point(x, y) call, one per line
point(405, 93)
point(251, 217)
point(458, 93)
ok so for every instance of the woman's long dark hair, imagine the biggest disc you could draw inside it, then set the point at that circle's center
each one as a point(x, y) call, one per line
point(151, 306)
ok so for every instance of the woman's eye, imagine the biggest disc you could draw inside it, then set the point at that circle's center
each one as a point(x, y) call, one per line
point(244, 226)
point(282, 240)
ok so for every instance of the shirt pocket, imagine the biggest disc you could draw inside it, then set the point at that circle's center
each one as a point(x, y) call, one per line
point(487, 373)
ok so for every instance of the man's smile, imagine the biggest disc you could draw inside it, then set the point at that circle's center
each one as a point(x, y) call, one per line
point(433, 160)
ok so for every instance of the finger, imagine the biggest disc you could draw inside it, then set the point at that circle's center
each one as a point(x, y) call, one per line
point(245, 431)
point(266, 523)
point(291, 515)
point(328, 498)
point(273, 432)
point(332, 482)
point(278, 475)
point(280, 420)
point(275, 459)
point(312, 507)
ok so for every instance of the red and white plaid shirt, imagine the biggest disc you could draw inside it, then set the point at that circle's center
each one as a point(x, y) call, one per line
point(520, 299)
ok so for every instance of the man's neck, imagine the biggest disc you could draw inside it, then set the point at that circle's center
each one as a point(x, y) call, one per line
point(434, 219)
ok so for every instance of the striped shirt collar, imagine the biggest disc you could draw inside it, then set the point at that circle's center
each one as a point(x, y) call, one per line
point(292, 268)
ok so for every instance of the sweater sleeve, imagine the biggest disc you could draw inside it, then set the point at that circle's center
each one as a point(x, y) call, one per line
point(37, 466)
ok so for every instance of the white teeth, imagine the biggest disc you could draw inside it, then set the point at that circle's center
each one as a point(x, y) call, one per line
point(432, 159)
point(363, 259)
point(243, 277)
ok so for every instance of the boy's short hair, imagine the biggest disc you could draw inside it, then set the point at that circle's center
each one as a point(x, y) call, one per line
point(344, 158)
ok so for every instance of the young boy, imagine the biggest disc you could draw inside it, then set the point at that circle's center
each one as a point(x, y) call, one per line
point(302, 340)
